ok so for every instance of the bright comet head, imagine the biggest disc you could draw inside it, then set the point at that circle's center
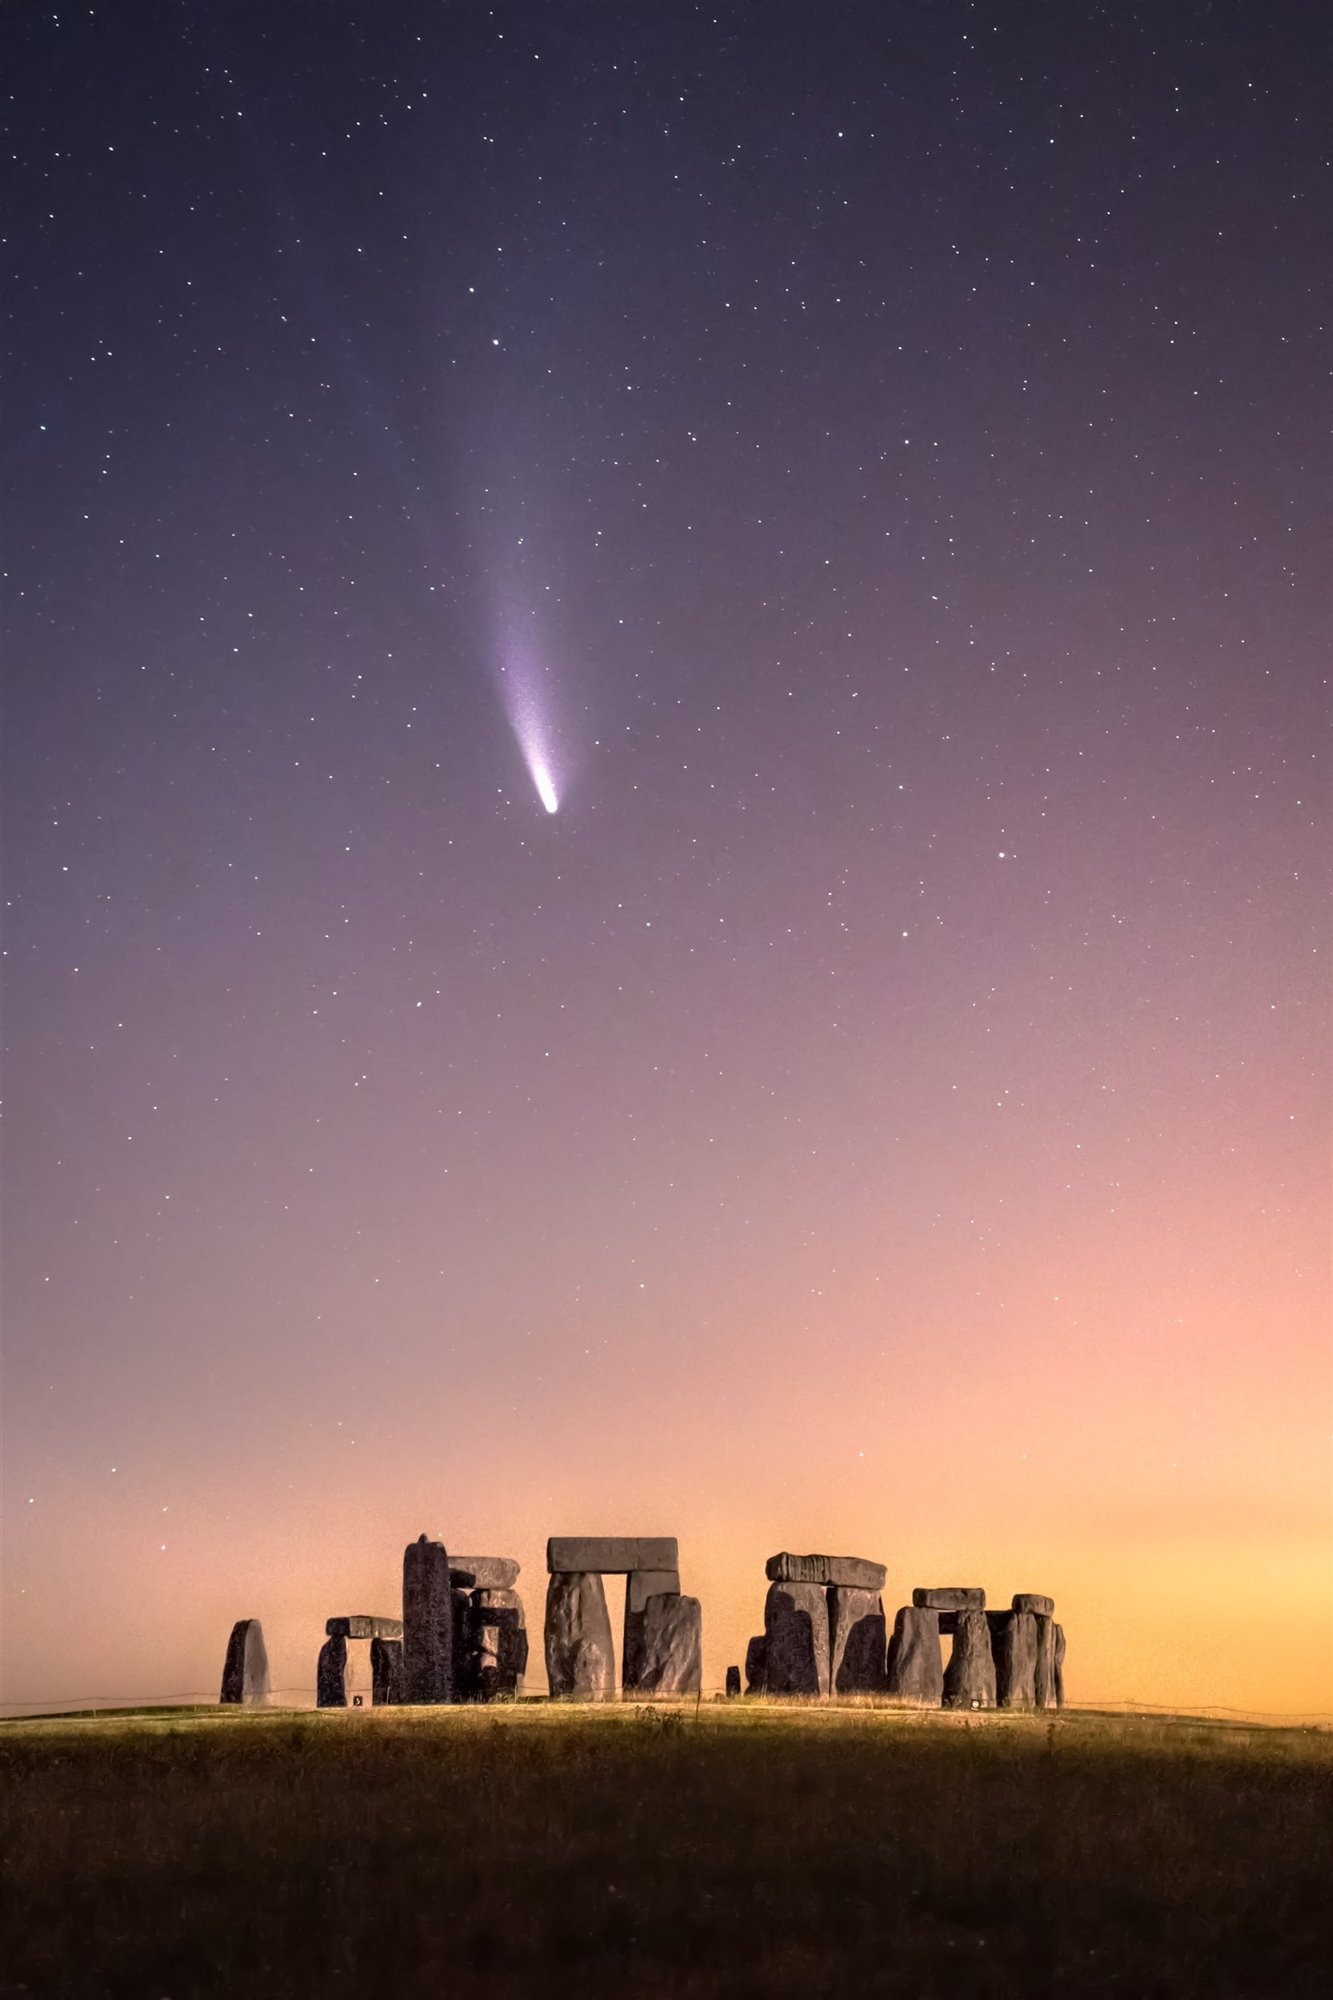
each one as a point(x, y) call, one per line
point(541, 778)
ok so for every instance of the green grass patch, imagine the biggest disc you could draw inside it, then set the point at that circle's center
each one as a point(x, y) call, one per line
point(740, 1849)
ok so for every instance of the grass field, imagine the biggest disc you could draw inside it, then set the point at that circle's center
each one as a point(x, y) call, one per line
point(746, 1849)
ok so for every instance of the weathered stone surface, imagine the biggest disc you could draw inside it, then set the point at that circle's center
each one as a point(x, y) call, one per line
point(245, 1670)
point(640, 1585)
point(950, 1597)
point(579, 1657)
point(733, 1681)
point(672, 1659)
point(330, 1674)
point(857, 1640)
point(849, 1572)
point(610, 1554)
point(500, 1644)
point(464, 1645)
point(756, 1665)
point(1043, 1675)
point(386, 1672)
point(916, 1668)
point(428, 1634)
point(483, 1572)
point(796, 1658)
point(1031, 1600)
point(361, 1625)
point(1014, 1645)
point(969, 1677)
point(1059, 1666)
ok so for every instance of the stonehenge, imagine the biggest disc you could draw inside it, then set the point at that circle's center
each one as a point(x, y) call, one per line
point(824, 1634)
point(823, 1627)
point(661, 1646)
point(462, 1636)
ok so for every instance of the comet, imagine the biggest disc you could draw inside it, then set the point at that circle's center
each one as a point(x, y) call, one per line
point(524, 689)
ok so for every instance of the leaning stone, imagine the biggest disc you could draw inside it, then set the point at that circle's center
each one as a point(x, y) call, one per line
point(245, 1670)
point(331, 1674)
point(610, 1554)
point(672, 1660)
point(856, 1640)
point(756, 1665)
point(916, 1671)
point(1043, 1677)
point(849, 1572)
point(1031, 1600)
point(969, 1678)
point(1014, 1645)
point(733, 1681)
point(1059, 1666)
point(579, 1657)
point(428, 1634)
point(361, 1625)
point(950, 1597)
point(386, 1672)
point(483, 1572)
point(796, 1635)
point(640, 1585)
point(500, 1645)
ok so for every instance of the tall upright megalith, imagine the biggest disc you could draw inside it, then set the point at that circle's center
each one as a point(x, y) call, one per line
point(428, 1638)
point(640, 1585)
point(969, 1678)
point(245, 1671)
point(916, 1665)
point(580, 1660)
point(796, 1638)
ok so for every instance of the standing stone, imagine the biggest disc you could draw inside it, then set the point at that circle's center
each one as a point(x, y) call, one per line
point(500, 1644)
point(245, 1671)
point(640, 1585)
point(464, 1644)
point(672, 1660)
point(950, 1597)
point(796, 1635)
point(856, 1640)
point(331, 1674)
point(1043, 1677)
point(428, 1639)
point(756, 1665)
point(916, 1669)
point(386, 1672)
point(1014, 1645)
point(1059, 1666)
point(579, 1657)
point(849, 1572)
point(969, 1678)
point(733, 1682)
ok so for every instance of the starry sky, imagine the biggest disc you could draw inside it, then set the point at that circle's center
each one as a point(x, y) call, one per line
point(861, 465)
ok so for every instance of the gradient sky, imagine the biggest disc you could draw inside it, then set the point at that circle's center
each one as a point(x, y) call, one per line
point(869, 458)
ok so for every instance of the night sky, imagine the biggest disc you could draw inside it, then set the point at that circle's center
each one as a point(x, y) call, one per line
point(862, 464)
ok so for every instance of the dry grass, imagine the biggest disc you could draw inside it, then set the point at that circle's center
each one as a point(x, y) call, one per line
point(748, 1849)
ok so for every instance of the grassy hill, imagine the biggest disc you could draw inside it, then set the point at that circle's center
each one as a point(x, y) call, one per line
point(741, 1849)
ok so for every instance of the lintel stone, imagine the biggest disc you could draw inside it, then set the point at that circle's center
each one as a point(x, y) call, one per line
point(483, 1572)
point(610, 1554)
point(847, 1572)
point(950, 1597)
point(1033, 1601)
point(363, 1625)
